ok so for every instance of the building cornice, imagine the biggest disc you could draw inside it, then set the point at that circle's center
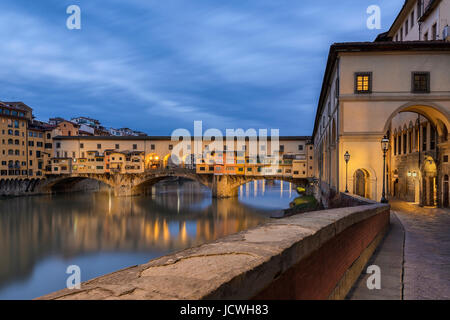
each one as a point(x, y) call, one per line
point(394, 96)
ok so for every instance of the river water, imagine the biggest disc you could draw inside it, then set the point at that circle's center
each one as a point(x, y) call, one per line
point(41, 236)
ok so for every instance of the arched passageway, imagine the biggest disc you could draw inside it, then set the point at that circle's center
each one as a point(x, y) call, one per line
point(418, 155)
point(361, 183)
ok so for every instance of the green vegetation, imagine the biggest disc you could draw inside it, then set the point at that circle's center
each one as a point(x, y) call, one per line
point(304, 200)
point(301, 190)
point(302, 204)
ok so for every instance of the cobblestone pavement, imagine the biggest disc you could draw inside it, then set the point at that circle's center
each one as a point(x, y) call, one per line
point(426, 252)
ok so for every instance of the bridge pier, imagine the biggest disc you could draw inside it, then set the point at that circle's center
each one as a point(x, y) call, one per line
point(126, 191)
point(223, 187)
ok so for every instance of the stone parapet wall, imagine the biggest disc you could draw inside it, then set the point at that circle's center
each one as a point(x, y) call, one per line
point(315, 255)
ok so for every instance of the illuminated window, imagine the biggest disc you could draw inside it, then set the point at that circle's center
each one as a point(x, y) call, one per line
point(363, 82)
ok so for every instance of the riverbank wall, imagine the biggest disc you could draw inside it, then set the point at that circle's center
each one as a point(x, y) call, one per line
point(33, 187)
point(315, 255)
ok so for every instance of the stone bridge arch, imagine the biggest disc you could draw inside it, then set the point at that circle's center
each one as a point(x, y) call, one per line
point(228, 185)
point(68, 181)
point(140, 183)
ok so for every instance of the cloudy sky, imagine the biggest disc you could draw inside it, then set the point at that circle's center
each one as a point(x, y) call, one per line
point(156, 65)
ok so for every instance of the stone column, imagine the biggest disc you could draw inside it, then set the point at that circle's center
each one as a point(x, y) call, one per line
point(223, 187)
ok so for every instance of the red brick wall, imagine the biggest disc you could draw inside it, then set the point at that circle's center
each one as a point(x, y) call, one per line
point(316, 276)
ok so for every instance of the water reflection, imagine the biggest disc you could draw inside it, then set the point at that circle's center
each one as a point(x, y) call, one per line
point(41, 236)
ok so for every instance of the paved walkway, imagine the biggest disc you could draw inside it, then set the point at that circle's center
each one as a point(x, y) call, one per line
point(389, 257)
point(427, 251)
point(425, 258)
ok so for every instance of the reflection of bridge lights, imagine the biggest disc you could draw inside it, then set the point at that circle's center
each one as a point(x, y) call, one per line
point(183, 233)
point(109, 202)
point(166, 232)
point(148, 231)
point(156, 232)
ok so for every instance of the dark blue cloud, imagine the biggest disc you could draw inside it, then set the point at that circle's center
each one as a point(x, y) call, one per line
point(159, 65)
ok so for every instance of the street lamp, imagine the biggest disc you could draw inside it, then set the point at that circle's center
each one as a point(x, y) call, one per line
point(384, 148)
point(347, 159)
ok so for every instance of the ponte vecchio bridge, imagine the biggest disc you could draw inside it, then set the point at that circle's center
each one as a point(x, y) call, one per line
point(132, 165)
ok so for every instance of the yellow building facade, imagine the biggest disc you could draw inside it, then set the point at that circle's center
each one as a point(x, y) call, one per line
point(366, 86)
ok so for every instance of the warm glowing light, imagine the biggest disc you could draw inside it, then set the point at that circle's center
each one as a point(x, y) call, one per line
point(183, 233)
point(347, 157)
point(385, 144)
point(166, 232)
point(156, 232)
